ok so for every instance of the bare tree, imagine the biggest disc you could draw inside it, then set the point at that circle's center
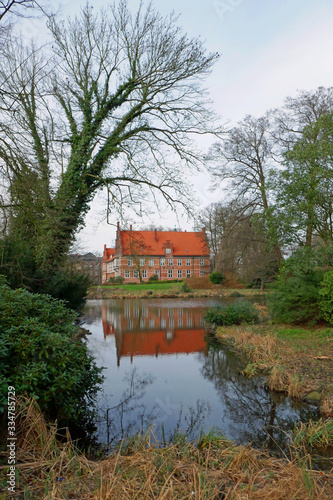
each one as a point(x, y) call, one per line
point(11, 10)
point(298, 112)
point(15, 7)
point(116, 104)
point(238, 241)
point(245, 157)
point(213, 219)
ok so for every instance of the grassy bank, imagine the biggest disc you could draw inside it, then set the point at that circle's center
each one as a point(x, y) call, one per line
point(212, 468)
point(163, 290)
point(298, 361)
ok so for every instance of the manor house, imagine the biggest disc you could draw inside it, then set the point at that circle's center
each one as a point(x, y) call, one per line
point(168, 254)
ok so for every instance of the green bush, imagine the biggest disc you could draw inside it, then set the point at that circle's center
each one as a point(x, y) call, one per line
point(69, 286)
point(154, 277)
point(18, 265)
point(42, 355)
point(232, 314)
point(118, 280)
point(295, 296)
point(217, 278)
point(186, 288)
point(295, 299)
point(326, 297)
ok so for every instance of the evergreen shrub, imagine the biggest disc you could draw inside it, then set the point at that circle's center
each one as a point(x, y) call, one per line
point(232, 314)
point(68, 286)
point(186, 288)
point(43, 356)
point(326, 297)
point(117, 280)
point(154, 277)
point(18, 265)
point(216, 277)
point(295, 299)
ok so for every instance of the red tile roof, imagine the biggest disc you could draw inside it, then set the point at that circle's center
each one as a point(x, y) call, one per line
point(154, 242)
point(108, 253)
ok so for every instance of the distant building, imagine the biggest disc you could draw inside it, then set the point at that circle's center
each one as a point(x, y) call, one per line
point(89, 264)
point(107, 264)
point(169, 254)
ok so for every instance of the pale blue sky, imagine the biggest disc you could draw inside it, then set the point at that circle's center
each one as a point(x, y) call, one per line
point(269, 50)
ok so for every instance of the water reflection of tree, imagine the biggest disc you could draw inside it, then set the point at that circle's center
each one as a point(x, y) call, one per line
point(254, 413)
point(131, 416)
point(92, 312)
point(128, 416)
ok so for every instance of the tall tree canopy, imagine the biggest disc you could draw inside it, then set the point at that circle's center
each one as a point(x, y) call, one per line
point(245, 158)
point(305, 187)
point(116, 103)
point(276, 173)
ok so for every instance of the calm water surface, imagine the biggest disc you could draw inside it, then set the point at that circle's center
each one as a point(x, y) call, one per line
point(163, 369)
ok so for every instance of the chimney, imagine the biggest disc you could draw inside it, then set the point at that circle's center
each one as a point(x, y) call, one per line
point(105, 248)
point(156, 235)
point(204, 230)
point(131, 227)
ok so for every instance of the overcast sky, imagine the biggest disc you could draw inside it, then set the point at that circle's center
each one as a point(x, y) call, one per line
point(269, 50)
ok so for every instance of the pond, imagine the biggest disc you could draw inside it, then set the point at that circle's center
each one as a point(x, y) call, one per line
point(164, 369)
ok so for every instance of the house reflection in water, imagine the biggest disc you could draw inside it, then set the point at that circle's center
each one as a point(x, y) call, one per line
point(143, 329)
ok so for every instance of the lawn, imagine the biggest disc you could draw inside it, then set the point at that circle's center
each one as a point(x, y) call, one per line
point(146, 286)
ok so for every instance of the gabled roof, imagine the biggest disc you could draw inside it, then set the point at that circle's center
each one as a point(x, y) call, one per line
point(86, 256)
point(183, 243)
point(108, 253)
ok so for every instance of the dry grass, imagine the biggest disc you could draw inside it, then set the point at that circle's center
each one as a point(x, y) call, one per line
point(231, 281)
point(259, 348)
point(327, 406)
point(213, 469)
point(201, 283)
point(295, 366)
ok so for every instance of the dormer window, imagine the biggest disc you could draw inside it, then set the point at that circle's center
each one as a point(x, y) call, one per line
point(168, 250)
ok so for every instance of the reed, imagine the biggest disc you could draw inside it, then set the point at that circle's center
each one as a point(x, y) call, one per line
point(211, 468)
point(314, 434)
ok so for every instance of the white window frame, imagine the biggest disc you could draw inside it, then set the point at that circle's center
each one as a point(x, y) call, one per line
point(188, 273)
point(142, 262)
point(170, 262)
point(162, 261)
point(127, 273)
point(130, 262)
point(179, 273)
point(201, 262)
point(188, 262)
point(201, 273)
point(135, 273)
point(168, 250)
point(144, 273)
point(179, 262)
point(170, 273)
point(157, 272)
point(151, 262)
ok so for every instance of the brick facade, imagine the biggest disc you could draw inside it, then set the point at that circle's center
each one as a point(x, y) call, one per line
point(169, 254)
